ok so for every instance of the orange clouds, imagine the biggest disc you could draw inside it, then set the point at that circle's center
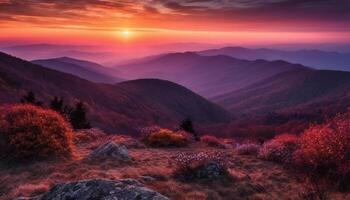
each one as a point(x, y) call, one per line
point(177, 20)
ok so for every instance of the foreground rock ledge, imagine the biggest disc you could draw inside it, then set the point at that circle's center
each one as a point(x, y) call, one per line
point(124, 189)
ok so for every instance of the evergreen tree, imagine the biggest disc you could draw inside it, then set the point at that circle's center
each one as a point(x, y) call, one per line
point(187, 126)
point(56, 104)
point(30, 98)
point(77, 117)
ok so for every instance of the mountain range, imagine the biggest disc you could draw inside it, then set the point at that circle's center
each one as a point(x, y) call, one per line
point(84, 69)
point(46, 51)
point(313, 58)
point(299, 90)
point(117, 108)
point(209, 76)
point(249, 87)
point(243, 87)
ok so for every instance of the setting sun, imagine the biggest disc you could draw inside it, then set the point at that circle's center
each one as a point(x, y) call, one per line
point(126, 34)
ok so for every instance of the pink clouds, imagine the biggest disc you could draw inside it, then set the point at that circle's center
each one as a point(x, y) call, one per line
point(190, 20)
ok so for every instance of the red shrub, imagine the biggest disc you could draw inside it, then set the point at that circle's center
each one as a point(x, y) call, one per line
point(211, 140)
point(203, 165)
point(247, 149)
point(28, 132)
point(166, 138)
point(325, 148)
point(88, 135)
point(280, 149)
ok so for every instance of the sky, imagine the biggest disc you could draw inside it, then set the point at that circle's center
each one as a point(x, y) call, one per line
point(132, 22)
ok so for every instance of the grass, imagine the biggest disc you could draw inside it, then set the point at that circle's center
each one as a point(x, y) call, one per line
point(253, 178)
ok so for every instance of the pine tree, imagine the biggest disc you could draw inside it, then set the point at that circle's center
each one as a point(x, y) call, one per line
point(30, 98)
point(56, 104)
point(78, 117)
point(187, 126)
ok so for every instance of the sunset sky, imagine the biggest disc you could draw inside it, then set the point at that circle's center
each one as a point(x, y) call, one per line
point(169, 21)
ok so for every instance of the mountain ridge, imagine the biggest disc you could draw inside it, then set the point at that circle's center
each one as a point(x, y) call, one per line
point(82, 68)
point(122, 108)
point(207, 75)
point(314, 58)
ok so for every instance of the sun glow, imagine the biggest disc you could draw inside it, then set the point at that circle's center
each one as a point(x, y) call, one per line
point(126, 34)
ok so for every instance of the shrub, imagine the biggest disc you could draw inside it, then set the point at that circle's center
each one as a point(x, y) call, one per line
point(28, 132)
point(166, 138)
point(77, 117)
point(146, 131)
point(187, 126)
point(229, 141)
point(88, 135)
point(247, 149)
point(211, 140)
point(325, 148)
point(30, 98)
point(280, 149)
point(203, 165)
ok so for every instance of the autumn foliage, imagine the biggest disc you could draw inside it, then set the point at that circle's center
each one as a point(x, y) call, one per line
point(247, 149)
point(166, 138)
point(325, 148)
point(280, 149)
point(202, 165)
point(28, 133)
point(211, 140)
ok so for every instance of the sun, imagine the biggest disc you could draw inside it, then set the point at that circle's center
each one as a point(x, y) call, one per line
point(126, 34)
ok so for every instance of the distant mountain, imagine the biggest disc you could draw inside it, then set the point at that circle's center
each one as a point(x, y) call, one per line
point(313, 58)
point(84, 69)
point(209, 76)
point(302, 90)
point(119, 108)
point(45, 51)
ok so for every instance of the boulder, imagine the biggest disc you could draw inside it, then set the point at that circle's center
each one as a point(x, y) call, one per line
point(211, 170)
point(99, 189)
point(208, 171)
point(110, 151)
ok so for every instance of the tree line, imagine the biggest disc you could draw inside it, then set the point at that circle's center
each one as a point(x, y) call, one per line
point(76, 115)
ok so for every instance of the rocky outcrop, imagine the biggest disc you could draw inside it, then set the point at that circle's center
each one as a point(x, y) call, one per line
point(211, 170)
point(124, 189)
point(110, 151)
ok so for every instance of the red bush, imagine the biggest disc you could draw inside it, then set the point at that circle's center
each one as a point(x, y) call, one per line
point(28, 132)
point(247, 149)
point(325, 148)
point(280, 149)
point(88, 135)
point(166, 138)
point(211, 140)
point(203, 165)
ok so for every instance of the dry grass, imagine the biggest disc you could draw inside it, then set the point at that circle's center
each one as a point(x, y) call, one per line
point(253, 178)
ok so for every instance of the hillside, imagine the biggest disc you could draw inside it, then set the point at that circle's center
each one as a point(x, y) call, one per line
point(301, 89)
point(122, 107)
point(313, 58)
point(83, 69)
point(207, 75)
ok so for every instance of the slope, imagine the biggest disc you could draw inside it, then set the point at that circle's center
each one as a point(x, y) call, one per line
point(120, 108)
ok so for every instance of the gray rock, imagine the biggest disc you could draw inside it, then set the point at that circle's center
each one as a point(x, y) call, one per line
point(110, 151)
point(98, 189)
point(211, 170)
